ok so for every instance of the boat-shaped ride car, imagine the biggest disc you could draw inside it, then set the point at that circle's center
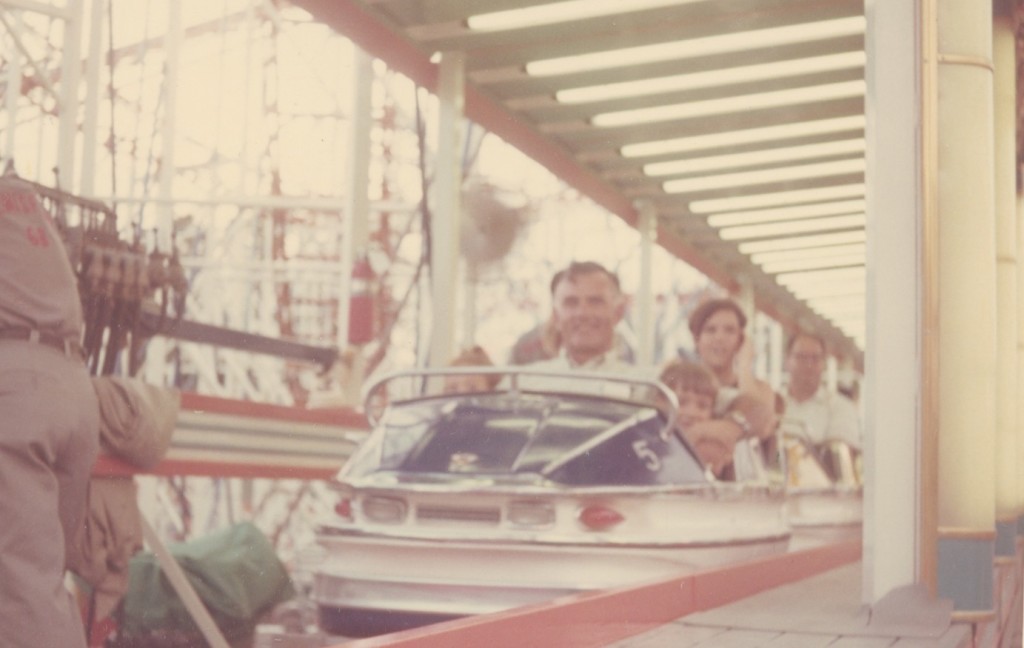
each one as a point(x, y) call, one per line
point(824, 486)
point(550, 484)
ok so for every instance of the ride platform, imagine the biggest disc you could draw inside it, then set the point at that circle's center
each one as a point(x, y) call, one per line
point(807, 598)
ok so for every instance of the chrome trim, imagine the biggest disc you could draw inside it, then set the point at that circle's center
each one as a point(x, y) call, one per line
point(331, 533)
point(511, 385)
point(590, 444)
point(365, 485)
point(482, 515)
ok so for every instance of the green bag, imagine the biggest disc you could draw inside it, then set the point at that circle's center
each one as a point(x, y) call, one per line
point(235, 572)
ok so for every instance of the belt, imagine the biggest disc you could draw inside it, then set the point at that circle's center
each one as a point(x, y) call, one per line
point(68, 346)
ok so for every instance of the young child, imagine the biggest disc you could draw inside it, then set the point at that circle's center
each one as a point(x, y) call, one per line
point(694, 385)
point(470, 383)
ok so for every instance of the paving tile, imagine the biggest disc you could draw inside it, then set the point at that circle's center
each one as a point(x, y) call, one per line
point(916, 642)
point(863, 642)
point(821, 604)
point(801, 640)
point(734, 638)
point(672, 635)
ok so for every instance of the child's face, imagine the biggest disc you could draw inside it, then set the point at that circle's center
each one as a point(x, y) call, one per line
point(466, 384)
point(693, 407)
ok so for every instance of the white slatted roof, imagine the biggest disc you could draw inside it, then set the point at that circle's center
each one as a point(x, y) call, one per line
point(741, 121)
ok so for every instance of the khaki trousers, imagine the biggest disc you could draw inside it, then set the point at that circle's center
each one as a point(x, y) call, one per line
point(49, 438)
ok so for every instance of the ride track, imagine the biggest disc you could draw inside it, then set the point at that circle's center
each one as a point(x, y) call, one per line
point(601, 618)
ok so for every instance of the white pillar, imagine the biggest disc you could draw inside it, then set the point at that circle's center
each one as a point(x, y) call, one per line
point(71, 66)
point(445, 214)
point(355, 232)
point(1020, 359)
point(172, 45)
point(11, 104)
point(87, 181)
point(966, 292)
point(469, 314)
point(647, 226)
point(776, 351)
point(892, 373)
point(1005, 176)
point(744, 296)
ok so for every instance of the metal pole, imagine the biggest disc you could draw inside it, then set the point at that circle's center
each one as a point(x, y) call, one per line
point(87, 181)
point(446, 214)
point(172, 44)
point(647, 226)
point(13, 81)
point(469, 317)
point(71, 65)
point(179, 581)
point(357, 202)
point(776, 351)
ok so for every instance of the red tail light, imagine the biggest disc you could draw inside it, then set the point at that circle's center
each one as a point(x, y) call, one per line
point(344, 508)
point(598, 518)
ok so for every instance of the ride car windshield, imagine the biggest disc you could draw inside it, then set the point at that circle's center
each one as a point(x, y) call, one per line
point(569, 439)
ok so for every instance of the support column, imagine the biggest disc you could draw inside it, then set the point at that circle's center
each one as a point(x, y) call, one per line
point(155, 370)
point(966, 289)
point(445, 215)
point(1005, 179)
point(647, 227)
point(744, 296)
point(893, 378)
point(746, 358)
point(776, 353)
point(355, 234)
point(71, 72)
point(1020, 361)
point(172, 45)
point(11, 105)
point(87, 181)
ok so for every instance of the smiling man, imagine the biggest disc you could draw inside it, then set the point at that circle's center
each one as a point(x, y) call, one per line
point(587, 304)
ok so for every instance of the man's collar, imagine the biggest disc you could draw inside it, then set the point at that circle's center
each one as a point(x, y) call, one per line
point(595, 362)
point(820, 395)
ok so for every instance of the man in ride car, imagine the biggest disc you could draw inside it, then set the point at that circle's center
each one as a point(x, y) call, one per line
point(587, 303)
point(825, 415)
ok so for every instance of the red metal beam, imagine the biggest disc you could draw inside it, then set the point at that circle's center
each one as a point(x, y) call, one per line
point(339, 416)
point(600, 618)
point(110, 466)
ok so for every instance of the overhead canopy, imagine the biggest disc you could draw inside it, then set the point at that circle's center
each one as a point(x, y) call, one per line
point(740, 121)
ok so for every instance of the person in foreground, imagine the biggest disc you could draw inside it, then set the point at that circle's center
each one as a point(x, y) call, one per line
point(50, 435)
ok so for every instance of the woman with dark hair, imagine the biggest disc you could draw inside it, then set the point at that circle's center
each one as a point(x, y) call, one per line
point(717, 327)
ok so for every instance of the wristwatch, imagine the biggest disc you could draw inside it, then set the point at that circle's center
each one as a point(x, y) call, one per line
point(739, 419)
